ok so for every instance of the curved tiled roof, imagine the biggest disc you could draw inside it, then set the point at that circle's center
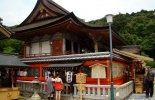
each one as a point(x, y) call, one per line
point(86, 56)
point(59, 20)
point(133, 56)
point(36, 25)
point(4, 31)
point(53, 23)
point(50, 5)
point(58, 6)
point(8, 60)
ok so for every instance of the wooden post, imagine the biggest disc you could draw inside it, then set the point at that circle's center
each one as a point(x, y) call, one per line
point(80, 78)
point(81, 88)
point(134, 73)
point(98, 81)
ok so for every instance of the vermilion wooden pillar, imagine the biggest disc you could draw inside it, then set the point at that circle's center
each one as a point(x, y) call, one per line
point(80, 69)
point(41, 74)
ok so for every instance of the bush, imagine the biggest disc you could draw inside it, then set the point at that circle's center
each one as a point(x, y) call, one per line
point(150, 63)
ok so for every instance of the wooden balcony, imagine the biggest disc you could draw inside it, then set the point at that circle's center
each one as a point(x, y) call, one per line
point(47, 54)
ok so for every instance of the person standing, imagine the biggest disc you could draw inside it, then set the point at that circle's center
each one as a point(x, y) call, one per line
point(58, 87)
point(149, 82)
point(50, 88)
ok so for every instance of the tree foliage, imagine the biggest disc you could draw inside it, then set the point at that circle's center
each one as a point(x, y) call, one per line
point(11, 46)
point(1, 19)
point(136, 29)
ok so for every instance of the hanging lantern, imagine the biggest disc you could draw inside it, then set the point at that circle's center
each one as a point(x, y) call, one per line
point(69, 75)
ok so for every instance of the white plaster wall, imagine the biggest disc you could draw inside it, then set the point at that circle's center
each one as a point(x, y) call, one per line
point(46, 47)
point(35, 48)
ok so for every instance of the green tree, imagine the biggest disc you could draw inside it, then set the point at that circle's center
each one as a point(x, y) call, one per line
point(8, 50)
point(136, 29)
point(11, 46)
point(1, 19)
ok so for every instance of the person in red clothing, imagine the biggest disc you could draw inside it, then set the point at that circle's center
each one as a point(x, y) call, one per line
point(58, 87)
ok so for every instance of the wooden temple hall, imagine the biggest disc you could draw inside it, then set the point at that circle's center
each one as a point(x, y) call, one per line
point(56, 40)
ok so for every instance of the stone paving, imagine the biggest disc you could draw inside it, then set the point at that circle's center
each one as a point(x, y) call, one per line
point(132, 97)
point(26, 98)
point(140, 97)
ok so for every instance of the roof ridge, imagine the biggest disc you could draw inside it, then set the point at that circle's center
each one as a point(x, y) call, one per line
point(51, 1)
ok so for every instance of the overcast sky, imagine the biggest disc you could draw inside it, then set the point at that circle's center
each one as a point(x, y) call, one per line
point(14, 12)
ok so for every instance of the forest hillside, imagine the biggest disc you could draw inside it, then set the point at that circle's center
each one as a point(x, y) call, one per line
point(136, 29)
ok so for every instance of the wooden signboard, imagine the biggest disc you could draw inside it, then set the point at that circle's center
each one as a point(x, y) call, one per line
point(98, 71)
point(80, 78)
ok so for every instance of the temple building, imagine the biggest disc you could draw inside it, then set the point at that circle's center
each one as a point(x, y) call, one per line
point(9, 63)
point(4, 32)
point(56, 40)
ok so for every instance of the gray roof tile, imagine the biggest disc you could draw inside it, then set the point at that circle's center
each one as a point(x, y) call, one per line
point(12, 61)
